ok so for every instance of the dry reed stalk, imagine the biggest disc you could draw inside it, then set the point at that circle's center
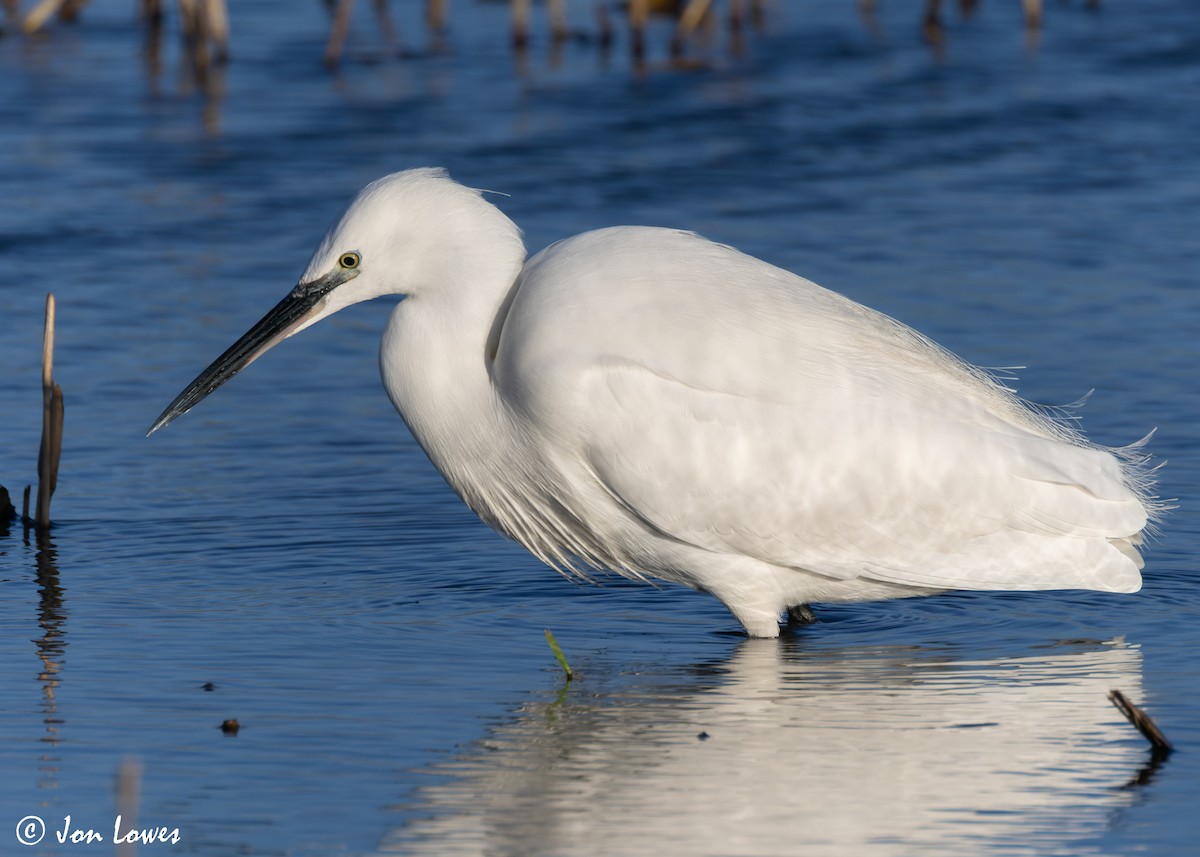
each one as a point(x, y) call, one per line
point(191, 28)
point(435, 14)
point(692, 16)
point(152, 12)
point(931, 25)
point(384, 20)
point(67, 10)
point(603, 25)
point(216, 26)
point(1032, 10)
point(639, 13)
point(52, 422)
point(204, 25)
point(520, 23)
point(40, 14)
point(558, 19)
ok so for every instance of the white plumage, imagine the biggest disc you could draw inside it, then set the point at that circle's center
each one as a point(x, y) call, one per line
point(646, 401)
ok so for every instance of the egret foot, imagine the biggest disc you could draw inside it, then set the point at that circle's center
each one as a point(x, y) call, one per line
point(800, 615)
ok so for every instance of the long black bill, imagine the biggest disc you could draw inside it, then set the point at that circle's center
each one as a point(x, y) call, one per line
point(275, 326)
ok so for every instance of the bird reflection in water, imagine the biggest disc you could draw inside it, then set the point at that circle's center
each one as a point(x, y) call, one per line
point(895, 750)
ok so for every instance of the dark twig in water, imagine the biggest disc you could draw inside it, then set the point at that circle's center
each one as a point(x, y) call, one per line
point(1142, 722)
point(558, 655)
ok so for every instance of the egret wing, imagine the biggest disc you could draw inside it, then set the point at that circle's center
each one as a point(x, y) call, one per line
point(733, 406)
point(869, 490)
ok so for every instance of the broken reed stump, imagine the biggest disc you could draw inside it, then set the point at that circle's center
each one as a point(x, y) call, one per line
point(50, 450)
point(52, 424)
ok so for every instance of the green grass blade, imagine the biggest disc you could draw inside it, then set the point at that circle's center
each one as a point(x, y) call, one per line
point(559, 656)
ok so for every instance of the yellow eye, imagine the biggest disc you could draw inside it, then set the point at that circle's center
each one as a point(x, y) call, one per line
point(349, 261)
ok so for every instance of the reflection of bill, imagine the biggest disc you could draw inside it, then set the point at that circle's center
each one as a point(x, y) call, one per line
point(875, 752)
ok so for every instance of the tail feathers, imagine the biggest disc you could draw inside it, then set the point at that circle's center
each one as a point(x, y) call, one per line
point(1128, 547)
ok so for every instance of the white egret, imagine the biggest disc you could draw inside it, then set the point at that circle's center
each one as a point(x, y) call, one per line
point(646, 401)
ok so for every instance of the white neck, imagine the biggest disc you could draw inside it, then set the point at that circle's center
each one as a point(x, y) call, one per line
point(435, 364)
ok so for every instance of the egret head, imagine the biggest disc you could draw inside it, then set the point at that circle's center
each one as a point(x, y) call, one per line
point(409, 233)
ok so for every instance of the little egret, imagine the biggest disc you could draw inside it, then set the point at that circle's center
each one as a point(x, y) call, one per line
point(648, 402)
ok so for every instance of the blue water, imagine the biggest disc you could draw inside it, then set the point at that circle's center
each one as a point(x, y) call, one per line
point(1025, 204)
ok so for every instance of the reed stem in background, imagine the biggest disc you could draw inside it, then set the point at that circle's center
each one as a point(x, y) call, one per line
point(435, 15)
point(520, 23)
point(558, 19)
point(40, 14)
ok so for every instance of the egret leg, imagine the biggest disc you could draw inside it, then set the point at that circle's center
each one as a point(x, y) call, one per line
point(757, 621)
point(799, 615)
